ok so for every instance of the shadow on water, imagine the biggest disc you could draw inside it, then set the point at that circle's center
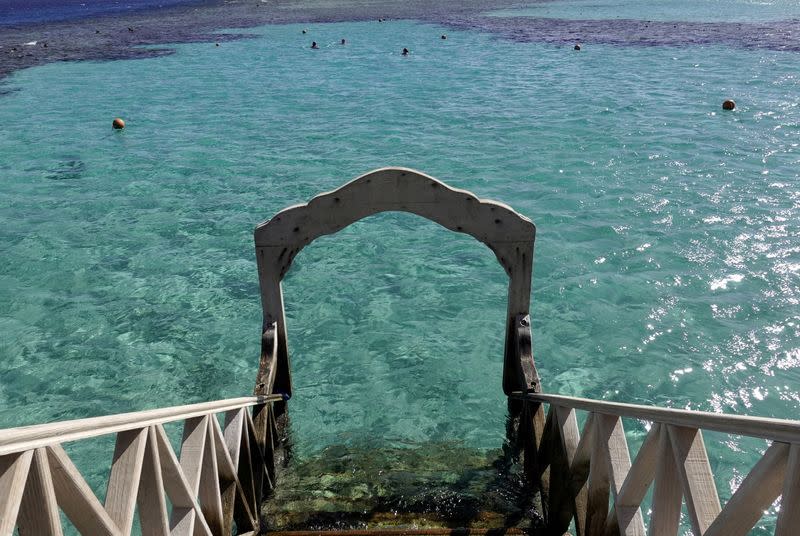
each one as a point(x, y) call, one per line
point(67, 170)
point(432, 485)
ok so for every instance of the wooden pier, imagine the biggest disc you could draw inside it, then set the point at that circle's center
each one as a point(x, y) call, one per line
point(216, 482)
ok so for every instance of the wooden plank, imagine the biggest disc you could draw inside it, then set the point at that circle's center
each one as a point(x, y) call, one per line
point(186, 518)
point(38, 513)
point(599, 484)
point(509, 235)
point(783, 430)
point(210, 495)
point(76, 498)
point(640, 476)
point(13, 475)
point(570, 439)
point(789, 515)
point(755, 494)
point(559, 497)
point(123, 481)
point(229, 483)
point(41, 435)
point(151, 499)
point(193, 447)
point(618, 460)
point(694, 472)
point(667, 494)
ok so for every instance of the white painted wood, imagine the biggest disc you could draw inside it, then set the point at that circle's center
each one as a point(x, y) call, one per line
point(694, 472)
point(13, 475)
point(789, 516)
point(76, 498)
point(229, 475)
point(193, 446)
point(626, 505)
point(755, 494)
point(570, 439)
point(186, 518)
point(41, 435)
point(38, 513)
point(599, 485)
point(508, 234)
point(209, 492)
point(667, 494)
point(786, 431)
point(123, 481)
point(151, 498)
point(615, 448)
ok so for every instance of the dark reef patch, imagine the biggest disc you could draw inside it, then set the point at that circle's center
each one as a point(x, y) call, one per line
point(120, 36)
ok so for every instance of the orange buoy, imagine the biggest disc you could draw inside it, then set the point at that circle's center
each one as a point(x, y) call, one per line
point(118, 123)
point(729, 105)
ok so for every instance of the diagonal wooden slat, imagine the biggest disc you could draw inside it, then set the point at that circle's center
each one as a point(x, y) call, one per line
point(229, 480)
point(570, 439)
point(618, 460)
point(757, 491)
point(76, 498)
point(667, 494)
point(186, 518)
point(640, 476)
point(260, 473)
point(560, 510)
point(599, 486)
point(193, 446)
point(151, 499)
point(789, 516)
point(123, 482)
point(13, 475)
point(209, 493)
point(697, 481)
point(38, 513)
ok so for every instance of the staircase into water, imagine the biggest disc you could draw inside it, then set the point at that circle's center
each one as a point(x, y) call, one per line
point(565, 464)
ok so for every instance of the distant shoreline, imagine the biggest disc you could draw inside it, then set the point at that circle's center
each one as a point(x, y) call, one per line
point(120, 35)
point(117, 35)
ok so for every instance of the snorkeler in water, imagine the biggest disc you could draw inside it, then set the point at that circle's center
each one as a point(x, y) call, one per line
point(314, 44)
point(405, 52)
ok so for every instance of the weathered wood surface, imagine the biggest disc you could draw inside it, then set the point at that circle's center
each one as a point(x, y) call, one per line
point(202, 494)
point(672, 460)
point(508, 234)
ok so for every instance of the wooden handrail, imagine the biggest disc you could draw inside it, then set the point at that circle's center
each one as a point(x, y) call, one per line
point(30, 437)
point(215, 482)
point(787, 431)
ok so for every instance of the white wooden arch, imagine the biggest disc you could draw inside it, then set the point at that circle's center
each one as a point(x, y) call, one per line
point(507, 233)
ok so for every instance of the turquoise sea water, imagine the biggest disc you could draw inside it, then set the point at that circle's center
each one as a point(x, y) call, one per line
point(667, 267)
point(663, 10)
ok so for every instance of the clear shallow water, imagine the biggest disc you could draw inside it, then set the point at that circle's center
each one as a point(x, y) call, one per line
point(667, 255)
point(669, 10)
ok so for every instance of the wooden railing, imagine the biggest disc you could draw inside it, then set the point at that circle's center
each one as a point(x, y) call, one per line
point(217, 479)
point(578, 472)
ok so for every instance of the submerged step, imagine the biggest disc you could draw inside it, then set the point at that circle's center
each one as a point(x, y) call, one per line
point(414, 487)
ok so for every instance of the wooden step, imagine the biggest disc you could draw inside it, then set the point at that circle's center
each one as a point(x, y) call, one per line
point(511, 531)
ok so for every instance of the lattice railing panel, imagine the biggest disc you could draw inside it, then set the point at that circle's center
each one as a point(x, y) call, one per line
point(581, 472)
point(211, 487)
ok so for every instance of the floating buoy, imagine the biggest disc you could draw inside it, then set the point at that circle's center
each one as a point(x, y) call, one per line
point(577, 46)
point(444, 36)
point(304, 31)
point(728, 105)
point(118, 123)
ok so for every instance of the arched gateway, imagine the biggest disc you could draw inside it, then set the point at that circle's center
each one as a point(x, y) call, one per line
point(507, 233)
